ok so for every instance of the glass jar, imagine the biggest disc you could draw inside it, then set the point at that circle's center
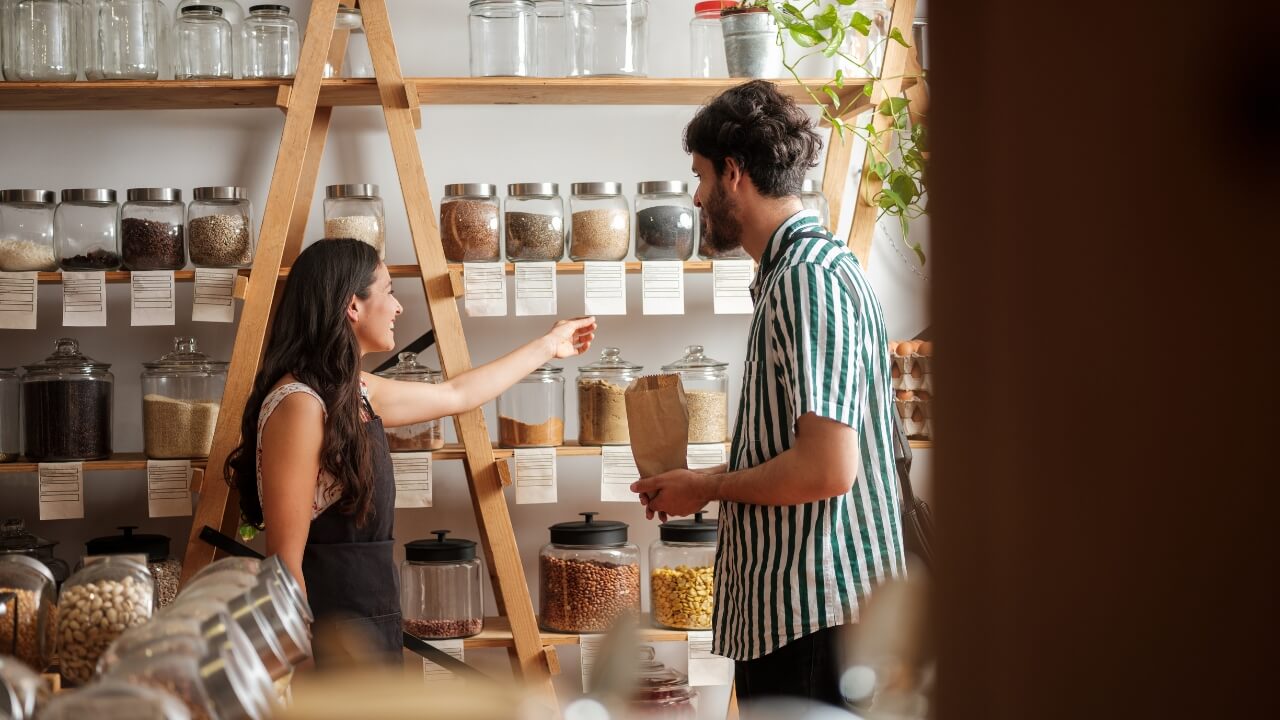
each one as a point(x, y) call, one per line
point(534, 222)
point(531, 412)
point(28, 611)
point(181, 397)
point(600, 222)
point(151, 225)
point(426, 435)
point(682, 574)
point(269, 614)
point(589, 576)
point(10, 415)
point(26, 230)
point(706, 40)
point(862, 55)
point(469, 223)
point(163, 635)
point(357, 62)
point(220, 227)
point(115, 699)
point(225, 584)
point(273, 568)
point(661, 691)
point(166, 570)
point(232, 12)
point(123, 39)
point(108, 596)
point(552, 42)
point(66, 406)
point(84, 226)
point(602, 402)
point(249, 637)
point(16, 540)
point(43, 37)
point(503, 33)
point(664, 220)
point(708, 249)
point(706, 394)
point(247, 564)
point(812, 198)
point(441, 588)
point(355, 211)
point(211, 687)
point(203, 40)
point(23, 693)
point(610, 37)
point(270, 41)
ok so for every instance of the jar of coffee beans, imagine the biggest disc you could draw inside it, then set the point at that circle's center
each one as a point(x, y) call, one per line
point(534, 221)
point(151, 229)
point(600, 222)
point(108, 596)
point(665, 218)
point(85, 229)
point(166, 570)
point(440, 588)
point(28, 611)
point(589, 576)
point(66, 406)
point(220, 227)
point(469, 223)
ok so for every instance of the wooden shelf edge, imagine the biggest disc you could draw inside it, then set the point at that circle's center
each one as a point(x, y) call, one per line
point(117, 462)
point(396, 271)
point(922, 444)
point(497, 634)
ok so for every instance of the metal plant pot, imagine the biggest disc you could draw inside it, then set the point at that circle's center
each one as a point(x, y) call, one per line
point(751, 46)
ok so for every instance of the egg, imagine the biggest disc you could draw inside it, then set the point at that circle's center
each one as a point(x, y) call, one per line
point(906, 348)
point(893, 347)
point(923, 395)
point(917, 370)
point(905, 395)
point(925, 348)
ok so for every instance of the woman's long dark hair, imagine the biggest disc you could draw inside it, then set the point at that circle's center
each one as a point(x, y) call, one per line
point(312, 338)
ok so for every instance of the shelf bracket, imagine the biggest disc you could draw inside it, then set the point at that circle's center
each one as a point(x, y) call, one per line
point(411, 101)
point(551, 658)
point(283, 94)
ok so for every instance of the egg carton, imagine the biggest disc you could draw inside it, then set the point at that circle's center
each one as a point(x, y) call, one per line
point(912, 372)
point(916, 413)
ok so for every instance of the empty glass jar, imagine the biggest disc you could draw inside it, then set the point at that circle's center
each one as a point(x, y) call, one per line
point(588, 576)
point(108, 596)
point(421, 436)
point(610, 37)
point(10, 415)
point(44, 36)
point(602, 402)
point(123, 39)
point(357, 62)
point(151, 229)
point(270, 42)
point(531, 412)
point(469, 223)
point(812, 198)
point(26, 230)
point(503, 34)
point(220, 227)
point(681, 573)
point(600, 222)
point(553, 40)
point(165, 569)
point(232, 12)
point(664, 221)
point(706, 40)
point(66, 406)
point(440, 588)
point(534, 222)
point(355, 211)
point(28, 611)
point(84, 227)
point(204, 50)
point(181, 397)
point(706, 394)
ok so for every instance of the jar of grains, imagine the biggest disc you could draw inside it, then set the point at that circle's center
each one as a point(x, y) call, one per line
point(355, 211)
point(589, 576)
point(151, 229)
point(108, 596)
point(534, 221)
point(600, 223)
point(85, 228)
point(441, 588)
point(114, 699)
point(26, 231)
point(426, 435)
point(10, 415)
point(664, 220)
point(66, 406)
point(166, 570)
point(710, 248)
point(469, 223)
point(602, 403)
point(23, 693)
point(812, 198)
point(181, 396)
point(531, 412)
point(220, 227)
point(28, 611)
point(681, 573)
point(706, 394)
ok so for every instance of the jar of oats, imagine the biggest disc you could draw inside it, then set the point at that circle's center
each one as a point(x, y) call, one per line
point(706, 394)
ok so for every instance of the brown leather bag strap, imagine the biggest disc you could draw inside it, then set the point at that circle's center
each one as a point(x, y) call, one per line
point(902, 459)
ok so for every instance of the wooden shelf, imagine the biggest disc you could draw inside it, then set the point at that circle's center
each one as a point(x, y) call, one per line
point(497, 634)
point(117, 462)
point(397, 271)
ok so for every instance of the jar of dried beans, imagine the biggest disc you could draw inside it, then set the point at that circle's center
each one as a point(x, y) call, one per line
point(166, 570)
point(440, 588)
point(427, 435)
point(181, 397)
point(151, 229)
point(589, 576)
point(600, 222)
point(681, 574)
point(28, 611)
point(66, 406)
point(602, 404)
point(469, 223)
point(534, 222)
point(220, 227)
point(108, 596)
point(26, 231)
point(706, 394)
point(531, 412)
point(355, 211)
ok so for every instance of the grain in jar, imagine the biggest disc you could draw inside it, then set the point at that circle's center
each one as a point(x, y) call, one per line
point(220, 227)
point(531, 412)
point(589, 576)
point(665, 217)
point(28, 610)
point(26, 231)
point(426, 435)
point(600, 222)
point(534, 222)
point(602, 403)
point(706, 394)
point(181, 400)
point(356, 211)
point(469, 223)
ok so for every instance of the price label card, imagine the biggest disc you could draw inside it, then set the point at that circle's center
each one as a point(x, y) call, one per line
point(604, 288)
point(18, 296)
point(705, 667)
point(588, 651)
point(214, 299)
point(433, 673)
point(707, 455)
point(151, 294)
point(535, 288)
point(731, 285)
point(84, 299)
point(168, 488)
point(485, 289)
point(617, 472)
point(61, 490)
point(535, 475)
point(663, 283)
point(412, 471)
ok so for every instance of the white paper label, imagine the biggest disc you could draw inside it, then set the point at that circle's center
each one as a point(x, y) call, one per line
point(705, 667)
point(535, 475)
point(412, 471)
point(486, 289)
point(663, 282)
point(433, 673)
point(706, 455)
point(535, 288)
point(61, 490)
point(84, 299)
point(588, 650)
point(604, 288)
point(214, 299)
point(151, 295)
point(18, 296)
point(168, 488)
point(731, 285)
point(617, 472)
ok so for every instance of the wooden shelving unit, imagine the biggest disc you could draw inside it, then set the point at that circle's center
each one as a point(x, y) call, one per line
point(497, 634)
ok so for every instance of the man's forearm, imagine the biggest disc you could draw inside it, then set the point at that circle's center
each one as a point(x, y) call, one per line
point(783, 480)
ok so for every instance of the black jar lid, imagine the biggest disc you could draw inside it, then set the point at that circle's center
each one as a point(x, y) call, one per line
point(695, 530)
point(155, 547)
point(589, 532)
point(441, 549)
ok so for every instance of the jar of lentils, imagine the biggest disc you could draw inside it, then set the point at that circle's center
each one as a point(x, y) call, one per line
point(600, 222)
point(355, 211)
point(26, 231)
point(151, 229)
point(220, 227)
point(589, 576)
point(469, 223)
point(85, 228)
point(108, 596)
point(534, 221)
point(664, 220)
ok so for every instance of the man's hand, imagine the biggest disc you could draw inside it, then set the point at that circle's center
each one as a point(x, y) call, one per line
point(676, 492)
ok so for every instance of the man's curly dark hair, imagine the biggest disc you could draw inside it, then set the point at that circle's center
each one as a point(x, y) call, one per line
point(764, 131)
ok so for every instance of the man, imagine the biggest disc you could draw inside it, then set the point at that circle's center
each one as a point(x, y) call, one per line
point(809, 521)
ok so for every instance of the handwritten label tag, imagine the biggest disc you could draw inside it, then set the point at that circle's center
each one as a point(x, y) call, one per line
point(84, 299)
point(535, 288)
point(604, 288)
point(152, 297)
point(485, 289)
point(588, 651)
point(412, 471)
point(731, 285)
point(706, 455)
point(18, 296)
point(433, 673)
point(168, 488)
point(705, 667)
point(617, 472)
point(535, 475)
point(61, 490)
point(214, 299)
point(663, 283)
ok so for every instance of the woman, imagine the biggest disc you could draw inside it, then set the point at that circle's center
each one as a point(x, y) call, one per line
point(313, 467)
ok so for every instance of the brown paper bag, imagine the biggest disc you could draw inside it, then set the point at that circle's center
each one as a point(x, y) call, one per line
point(658, 424)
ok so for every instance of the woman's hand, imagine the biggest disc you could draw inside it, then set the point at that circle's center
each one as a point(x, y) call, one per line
point(572, 337)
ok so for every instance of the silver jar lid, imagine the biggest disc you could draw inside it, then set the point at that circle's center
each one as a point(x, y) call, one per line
point(28, 196)
point(236, 691)
point(597, 188)
point(154, 194)
point(541, 189)
point(279, 617)
point(273, 569)
point(90, 195)
point(662, 187)
point(219, 192)
point(811, 185)
point(356, 190)
point(462, 189)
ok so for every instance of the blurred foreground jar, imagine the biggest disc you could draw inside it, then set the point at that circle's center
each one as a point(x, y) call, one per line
point(108, 596)
point(116, 699)
point(28, 611)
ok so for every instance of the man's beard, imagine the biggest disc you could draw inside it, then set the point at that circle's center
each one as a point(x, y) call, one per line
point(721, 230)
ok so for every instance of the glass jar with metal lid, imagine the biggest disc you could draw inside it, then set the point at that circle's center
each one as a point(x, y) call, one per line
point(15, 539)
point(232, 12)
point(203, 44)
point(220, 227)
point(66, 406)
point(531, 412)
point(26, 230)
point(166, 570)
point(589, 576)
point(600, 222)
point(602, 403)
point(812, 198)
point(84, 226)
point(427, 435)
point(664, 220)
point(271, 41)
point(23, 693)
point(28, 611)
point(108, 596)
point(151, 229)
point(661, 691)
point(10, 415)
point(469, 223)
point(357, 62)
point(503, 34)
point(355, 211)
point(534, 221)
point(181, 397)
point(706, 394)
point(116, 699)
point(441, 588)
point(610, 37)
point(212, 686)
point(682, 573)
point(42, 36)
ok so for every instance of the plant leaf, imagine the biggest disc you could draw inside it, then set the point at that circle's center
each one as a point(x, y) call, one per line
point(893, 106)
point(880, 169)
point(903, 186)
point(804, 36)
point(835, 97)
point(837, 39)
point(869, 89)
point(839, 80)
point(847, 3)
point(860, 24)
point(896, 34)
point(826, 19)
point(915, 247)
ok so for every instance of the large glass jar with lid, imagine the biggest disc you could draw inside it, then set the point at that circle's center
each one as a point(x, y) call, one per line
point(357, 62)
point(661, 691)
point(43, 37)
point(66, 406)
point(503, 35)
point(469, 223)
point(23, 693)
point(441, 588)
point(355, 211)
point(84, 227)
point(553, 42)
point(534, 222)
point(427, 435)
point(600, 222)
point(10, 415)
point(151, 229)
point(232, 12)
point(108, 596)
point(706, 40)
point(588, 576)
point(15, 539)
point(203, 45)
point(602, 402)
point(665, 217)
point(26, 230)
point(28, 617)
point(220, 227)
point(531, 412)
point(212, 686)
point(181, 397)
point(116, 699)
point(124, 39)
point(166, 570)
point(270, 43)
point(812, 198)
point(706, 394)
point(681, 573)
point(610, 37)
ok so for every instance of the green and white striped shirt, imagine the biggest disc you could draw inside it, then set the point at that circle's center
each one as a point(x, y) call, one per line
point(818, 344)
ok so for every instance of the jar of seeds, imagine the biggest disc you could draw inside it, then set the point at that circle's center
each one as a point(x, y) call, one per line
point(812, 197)
point(355, 211)
point(220, 227)
point(602, 402)
point(28, 611)
point(589, 576)
point(600, 222)
point(664, 221)
point(10, 415)
point(151, 229)
point(682, 572)
point(706, 394)
point(26, 230)
point(469, 223)
point(84, 226)
point(108, 596)
point(181, 397)
point(441, 588)
point(534, 221)
point(66, 406)
point(166, 570)
point(421, 436)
